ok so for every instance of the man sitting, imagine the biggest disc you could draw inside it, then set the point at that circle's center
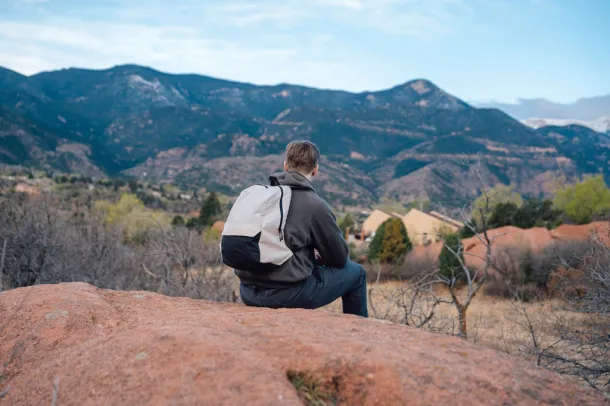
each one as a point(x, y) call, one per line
point(320, 271)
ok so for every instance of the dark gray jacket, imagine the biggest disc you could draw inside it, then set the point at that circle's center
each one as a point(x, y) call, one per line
point(310, 224)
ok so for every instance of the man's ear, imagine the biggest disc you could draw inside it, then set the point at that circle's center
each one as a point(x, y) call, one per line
point(315, 170)
point(285, 166)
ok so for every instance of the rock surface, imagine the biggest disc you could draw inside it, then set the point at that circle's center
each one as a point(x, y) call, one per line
point(139, 348)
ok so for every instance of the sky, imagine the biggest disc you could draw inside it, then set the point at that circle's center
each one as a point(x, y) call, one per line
point(478, 50)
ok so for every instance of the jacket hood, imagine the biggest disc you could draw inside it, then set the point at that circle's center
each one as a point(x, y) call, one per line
point(292, 179)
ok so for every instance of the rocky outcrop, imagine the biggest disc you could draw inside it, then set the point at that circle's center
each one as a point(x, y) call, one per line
point(534, 239)
point(87, 346)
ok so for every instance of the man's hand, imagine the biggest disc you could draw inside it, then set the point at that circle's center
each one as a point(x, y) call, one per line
point(319, 259)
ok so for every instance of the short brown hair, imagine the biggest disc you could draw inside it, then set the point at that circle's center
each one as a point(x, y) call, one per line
point(302, 156)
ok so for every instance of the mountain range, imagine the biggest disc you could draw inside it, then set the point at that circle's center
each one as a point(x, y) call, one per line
point(411, 142)
point(585, 110)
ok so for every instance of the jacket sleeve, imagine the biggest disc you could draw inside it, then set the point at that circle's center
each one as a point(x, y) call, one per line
point(328, 238)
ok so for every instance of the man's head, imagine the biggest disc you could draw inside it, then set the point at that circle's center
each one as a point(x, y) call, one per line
point(302, 157)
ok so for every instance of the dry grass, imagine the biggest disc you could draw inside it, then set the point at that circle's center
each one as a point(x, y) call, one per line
point(493, 322)
point(311, 391)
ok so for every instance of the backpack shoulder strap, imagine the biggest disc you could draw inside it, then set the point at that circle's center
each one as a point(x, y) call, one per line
point(273, 181)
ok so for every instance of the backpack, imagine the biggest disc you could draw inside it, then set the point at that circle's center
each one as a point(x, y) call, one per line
point(253, 235)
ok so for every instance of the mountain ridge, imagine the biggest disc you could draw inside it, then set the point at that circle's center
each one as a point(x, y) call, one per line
point(195, 129)
point(142, 68)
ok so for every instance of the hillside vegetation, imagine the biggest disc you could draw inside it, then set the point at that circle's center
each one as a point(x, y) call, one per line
point(411, 142)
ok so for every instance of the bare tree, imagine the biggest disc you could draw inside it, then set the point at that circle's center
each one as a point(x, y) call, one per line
point(416, 303)
point(474, 278)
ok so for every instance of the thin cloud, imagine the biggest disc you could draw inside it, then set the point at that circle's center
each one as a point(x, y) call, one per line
point(266, 41)
point(103, 41)
point(398, 17)
point(30, 48)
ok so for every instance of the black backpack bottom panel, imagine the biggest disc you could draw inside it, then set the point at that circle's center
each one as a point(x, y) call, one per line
point(243, 253)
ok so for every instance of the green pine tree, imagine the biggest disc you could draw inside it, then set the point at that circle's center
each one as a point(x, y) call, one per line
point(178, 221)
point(346, 222)
point(395, 244)
point(449, 262)
point(391, 242)
point(210, 210)
point(503, 215)
point(194, 224)
point(375, 246)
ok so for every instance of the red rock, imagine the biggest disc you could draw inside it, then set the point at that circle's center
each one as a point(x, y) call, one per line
point(140, 348)
point(583, 232)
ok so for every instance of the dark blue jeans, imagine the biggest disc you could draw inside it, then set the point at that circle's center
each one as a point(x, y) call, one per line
point(322, 287)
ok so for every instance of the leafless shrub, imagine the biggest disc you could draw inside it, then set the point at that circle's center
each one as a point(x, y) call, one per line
point(535, 325)
point(413, 303)
point(517, 270)
point(31, 231)
point(577, 341)
point(558, 254)
point(377, 272)
point(415, 265)
point(513, 263)
point(477, 329)
point(47, 244)
point(514, 272)
point(180, 263)
point(93, 253)
point(587, 343)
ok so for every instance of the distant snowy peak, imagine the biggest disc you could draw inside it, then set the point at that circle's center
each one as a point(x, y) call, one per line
point(601, 125)
point(560, 122)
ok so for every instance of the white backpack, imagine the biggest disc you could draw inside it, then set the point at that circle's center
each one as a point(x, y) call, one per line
point(253, 235)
